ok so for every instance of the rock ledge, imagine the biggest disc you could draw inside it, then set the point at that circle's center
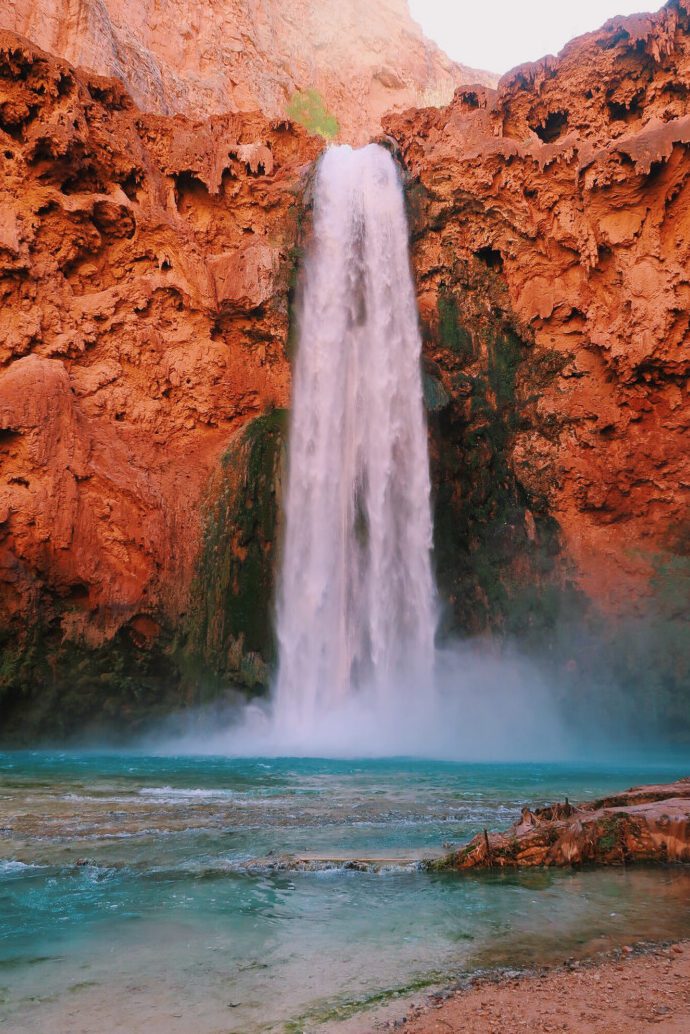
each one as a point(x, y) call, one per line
point(644, 824)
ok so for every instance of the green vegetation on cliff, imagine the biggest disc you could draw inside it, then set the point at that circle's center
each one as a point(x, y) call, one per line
point(52, 687)
point(307, 108)
point(496, 547)
point(231, 630)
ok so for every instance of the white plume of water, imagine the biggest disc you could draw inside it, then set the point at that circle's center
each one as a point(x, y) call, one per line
point(356, 605)
point(358, 674)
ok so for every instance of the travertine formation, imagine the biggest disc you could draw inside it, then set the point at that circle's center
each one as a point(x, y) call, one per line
point(146, 264)
point(147, 269)
point(362, 58)
point(645, 824)
point(562, 203)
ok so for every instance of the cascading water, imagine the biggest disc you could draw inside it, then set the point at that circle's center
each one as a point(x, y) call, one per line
point(356, 605)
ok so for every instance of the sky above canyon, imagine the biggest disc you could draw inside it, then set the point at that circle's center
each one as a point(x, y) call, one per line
point(497, 36)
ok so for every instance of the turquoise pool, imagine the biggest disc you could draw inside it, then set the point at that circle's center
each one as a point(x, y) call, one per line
point(147, 893)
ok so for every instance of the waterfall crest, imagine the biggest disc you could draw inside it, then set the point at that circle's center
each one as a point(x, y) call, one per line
point(356, 601)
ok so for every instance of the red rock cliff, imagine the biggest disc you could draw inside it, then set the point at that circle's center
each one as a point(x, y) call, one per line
point(146, 271)
point(145, 265)
point(561, 202)
point(363, 58)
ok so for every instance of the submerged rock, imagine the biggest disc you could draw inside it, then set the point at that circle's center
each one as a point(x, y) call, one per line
point(644, 824)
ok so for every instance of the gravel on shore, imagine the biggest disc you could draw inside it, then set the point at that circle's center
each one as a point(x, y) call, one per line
point(635, 990)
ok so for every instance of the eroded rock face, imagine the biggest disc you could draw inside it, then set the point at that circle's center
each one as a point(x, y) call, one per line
point(644, 824)
point(362, 58)
point(552, 221)
point(146, 265)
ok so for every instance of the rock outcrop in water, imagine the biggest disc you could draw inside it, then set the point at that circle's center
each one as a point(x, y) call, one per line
point(645, 824)
point(352, 58)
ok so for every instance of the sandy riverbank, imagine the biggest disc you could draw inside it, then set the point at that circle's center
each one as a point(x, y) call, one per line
point(628, 992)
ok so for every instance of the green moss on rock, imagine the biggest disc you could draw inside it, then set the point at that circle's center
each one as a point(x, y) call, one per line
point(496, 549)
point(452, 334)
point(231, 629)
point(53, 689)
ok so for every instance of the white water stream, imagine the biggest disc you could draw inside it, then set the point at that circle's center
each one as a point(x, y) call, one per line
point(356, 606)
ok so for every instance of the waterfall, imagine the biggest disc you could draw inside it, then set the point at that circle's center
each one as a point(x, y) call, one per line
point(356, 601)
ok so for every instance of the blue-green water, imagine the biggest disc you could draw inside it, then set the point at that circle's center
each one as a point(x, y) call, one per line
point(141, 893)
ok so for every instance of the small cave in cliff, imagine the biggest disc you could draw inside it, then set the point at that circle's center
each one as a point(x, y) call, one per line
point(610, 42)
point(550, 128)
point(65, 84)
point(9, 440)
point(131, 185)
point(676, 89)
point(8, 436)
point(77, 594)
point(491, 257)
point(622, 112)
point(188, 186)
point(467, 99)
point(85, 180)
point(15, 130)
point(111, 96)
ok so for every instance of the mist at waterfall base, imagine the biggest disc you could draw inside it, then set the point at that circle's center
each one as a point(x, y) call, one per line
point(482, 705)
point(358, 672)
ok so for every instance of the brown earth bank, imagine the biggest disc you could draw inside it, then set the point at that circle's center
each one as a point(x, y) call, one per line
point(633, 991)
point(644, 824)
point(344, 60)
point(147, 276)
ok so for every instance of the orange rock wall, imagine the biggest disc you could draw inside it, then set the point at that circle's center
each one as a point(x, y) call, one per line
point(145, 267)
point(364, 58)
point(569, 189)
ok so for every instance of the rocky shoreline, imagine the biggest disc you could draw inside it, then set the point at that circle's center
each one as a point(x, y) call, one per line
point(629, 989)
point(644, 824)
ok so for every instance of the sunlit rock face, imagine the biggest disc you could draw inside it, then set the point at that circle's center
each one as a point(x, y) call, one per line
point(145, 267)
point(362, 58)
point(552, 254)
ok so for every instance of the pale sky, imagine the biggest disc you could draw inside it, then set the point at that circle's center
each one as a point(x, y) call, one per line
point(496, 35)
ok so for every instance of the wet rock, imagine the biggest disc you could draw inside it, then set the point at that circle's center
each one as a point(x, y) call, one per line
point(645, 824)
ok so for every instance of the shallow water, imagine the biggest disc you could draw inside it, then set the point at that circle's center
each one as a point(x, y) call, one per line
point(144, 893)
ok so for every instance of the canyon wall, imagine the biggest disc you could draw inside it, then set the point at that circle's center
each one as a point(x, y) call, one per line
point(148, 266)
point(552, 229)
point(343, 63)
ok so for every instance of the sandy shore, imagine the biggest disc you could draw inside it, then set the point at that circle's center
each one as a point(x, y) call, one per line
point(635, 990)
